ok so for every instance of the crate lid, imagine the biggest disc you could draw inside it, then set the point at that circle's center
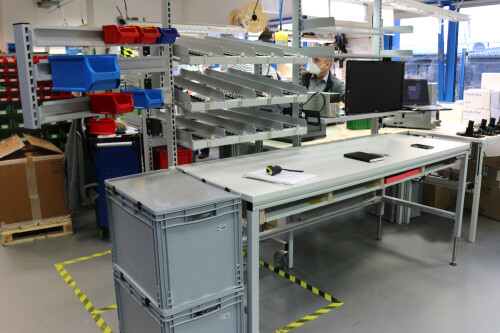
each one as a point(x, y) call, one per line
point(168, 190)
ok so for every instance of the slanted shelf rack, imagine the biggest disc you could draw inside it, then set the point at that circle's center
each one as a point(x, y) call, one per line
point(226, 127)
point(224, 51)
point(218, 90)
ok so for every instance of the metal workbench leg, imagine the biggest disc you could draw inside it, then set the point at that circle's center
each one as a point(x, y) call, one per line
point(381, 215)
point(401, 195)
point(253, 271)
point(459, 207)
point(476, 192)
point(289, 245)
point(408, 194)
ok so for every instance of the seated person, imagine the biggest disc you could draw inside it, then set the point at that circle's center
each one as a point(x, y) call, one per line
point(320, 79)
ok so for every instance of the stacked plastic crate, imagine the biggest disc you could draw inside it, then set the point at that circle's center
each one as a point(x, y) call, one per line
point(11, 113)
point(177, 254)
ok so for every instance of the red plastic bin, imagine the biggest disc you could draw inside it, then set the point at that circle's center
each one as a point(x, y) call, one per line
point(10, 69)
point(36, 59)
point(111, 103)
point(3, 79)
point(120, 35)
point(147, 35)
point(104, 126)
point(60, 95)
point(10, 59)
point(4, 98)
point(160, 157)
point(12, 79)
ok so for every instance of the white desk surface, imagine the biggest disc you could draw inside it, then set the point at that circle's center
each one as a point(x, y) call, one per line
point(327, 162)
point(449, 130)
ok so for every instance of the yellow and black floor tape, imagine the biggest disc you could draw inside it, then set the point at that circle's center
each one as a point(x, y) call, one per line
point(334, 303)
point(96, 313)
point(301, 283)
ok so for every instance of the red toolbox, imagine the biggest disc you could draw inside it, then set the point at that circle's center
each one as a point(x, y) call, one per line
point(111, 103)
point(160, 157)
point(104, 126)
point(120, 35)
point(147, 35)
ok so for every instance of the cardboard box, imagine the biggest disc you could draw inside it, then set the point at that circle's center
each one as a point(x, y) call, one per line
point(495, 113)
point(31, 180)
point(490, 81)
point(475, 114)
point(481, 99)
point(490, 187)
point(438, 197)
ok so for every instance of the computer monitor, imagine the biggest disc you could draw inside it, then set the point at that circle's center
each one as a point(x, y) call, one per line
point(374, 86)
point(415, 92)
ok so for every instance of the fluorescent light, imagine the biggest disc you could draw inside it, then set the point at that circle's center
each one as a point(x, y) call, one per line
point(425, 10)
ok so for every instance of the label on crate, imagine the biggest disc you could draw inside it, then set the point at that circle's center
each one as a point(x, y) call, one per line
point(225, 316)
point(221, 227)
point(3, 112)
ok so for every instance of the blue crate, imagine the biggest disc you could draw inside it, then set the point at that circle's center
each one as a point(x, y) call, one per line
point(168, 36)
point(146, 98)
point(85, 72)
point(112, 162)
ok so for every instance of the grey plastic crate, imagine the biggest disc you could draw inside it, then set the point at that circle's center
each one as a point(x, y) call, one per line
point(175, 238)
point(222, 314)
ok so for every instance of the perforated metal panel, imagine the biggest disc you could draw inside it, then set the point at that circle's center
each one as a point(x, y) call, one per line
point(112, 162)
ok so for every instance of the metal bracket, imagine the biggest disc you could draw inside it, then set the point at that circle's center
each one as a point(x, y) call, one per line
point(154, 126)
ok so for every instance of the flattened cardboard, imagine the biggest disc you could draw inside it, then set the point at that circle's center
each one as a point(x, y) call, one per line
point(42, 143)
point(10, 145)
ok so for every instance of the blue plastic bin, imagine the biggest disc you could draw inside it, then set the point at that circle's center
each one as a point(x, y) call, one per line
point(85, 72)
point(168, 36)
point(146, 98)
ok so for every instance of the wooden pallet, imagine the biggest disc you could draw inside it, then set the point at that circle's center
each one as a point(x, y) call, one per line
point(30, 232)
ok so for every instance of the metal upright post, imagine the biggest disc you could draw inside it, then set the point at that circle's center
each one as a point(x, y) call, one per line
point(377, 48)
point(167, 85)
point(459, 206)
point(27, 75)
point(381, 215)
point(253, 271)
point(479, 149)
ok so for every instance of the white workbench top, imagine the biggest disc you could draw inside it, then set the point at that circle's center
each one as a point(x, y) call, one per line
point(327, 162)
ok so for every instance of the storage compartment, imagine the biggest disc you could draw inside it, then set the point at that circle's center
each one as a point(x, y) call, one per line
point(113, 157)
point(111, 103)
point(147, 35)
point(103, 126)
point(167, 36)
point(85, 72)
point(146, 98)
point(220, 314)
point(120, 35)
point(174, 237)
point(160, 157)
point(359, 124)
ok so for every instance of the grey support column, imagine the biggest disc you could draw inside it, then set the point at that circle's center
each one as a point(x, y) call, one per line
point(476, 191)
point(253, 271)
point(459, 207)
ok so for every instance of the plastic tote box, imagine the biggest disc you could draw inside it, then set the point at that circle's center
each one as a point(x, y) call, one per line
point(174, 237)
point(219, 314)
point(85, 72)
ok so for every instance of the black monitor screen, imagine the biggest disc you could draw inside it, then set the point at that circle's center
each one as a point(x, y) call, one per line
point(374, 86)
point(415, 92)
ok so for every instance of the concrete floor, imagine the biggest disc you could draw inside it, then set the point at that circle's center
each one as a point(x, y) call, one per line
point(403, 283)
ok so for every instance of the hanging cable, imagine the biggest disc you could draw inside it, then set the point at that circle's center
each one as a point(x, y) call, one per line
point(126, 9)
point(281, 15)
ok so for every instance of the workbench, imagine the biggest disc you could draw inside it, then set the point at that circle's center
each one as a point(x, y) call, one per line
point(338, 179)
point(449, 131)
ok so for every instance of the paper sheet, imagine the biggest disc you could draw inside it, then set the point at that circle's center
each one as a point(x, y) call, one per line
point(285, 177)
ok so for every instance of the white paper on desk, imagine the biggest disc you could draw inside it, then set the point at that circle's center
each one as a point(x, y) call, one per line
point(284, 177)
